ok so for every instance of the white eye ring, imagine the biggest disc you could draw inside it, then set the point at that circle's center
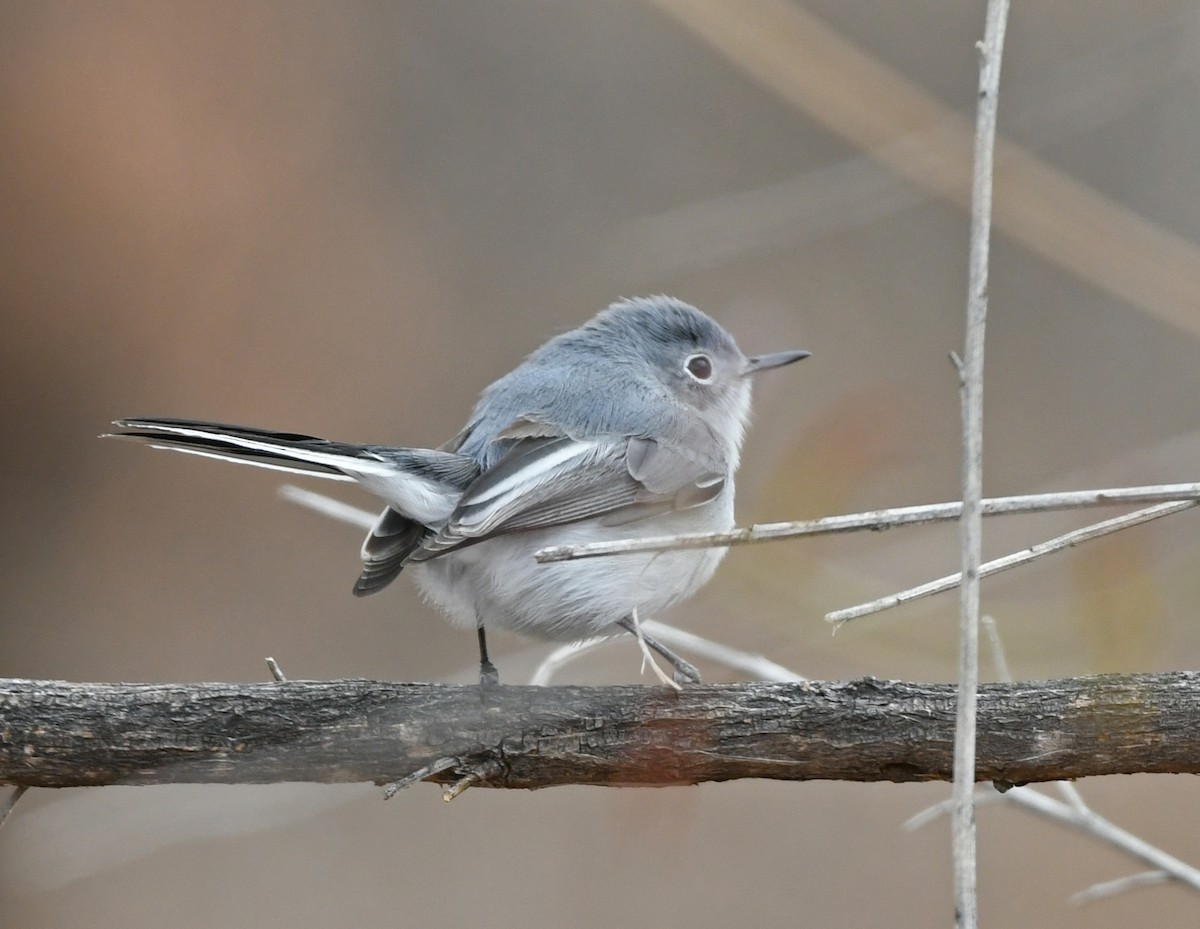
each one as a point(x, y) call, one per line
point(699, 368)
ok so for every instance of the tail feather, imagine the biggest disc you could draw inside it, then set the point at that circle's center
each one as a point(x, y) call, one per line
point(422, 485)
point(281, 451)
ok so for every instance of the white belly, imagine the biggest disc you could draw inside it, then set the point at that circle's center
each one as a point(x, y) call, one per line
point(499, 583)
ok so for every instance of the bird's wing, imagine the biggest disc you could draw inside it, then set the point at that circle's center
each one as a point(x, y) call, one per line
point(386, 549)
point(394, 537)
point(550, 481)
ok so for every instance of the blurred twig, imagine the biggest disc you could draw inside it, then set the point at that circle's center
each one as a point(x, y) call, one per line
point(1082, 94)
point(10, 801)
point(883, 113)
point(757, 667)
point(1130, 882)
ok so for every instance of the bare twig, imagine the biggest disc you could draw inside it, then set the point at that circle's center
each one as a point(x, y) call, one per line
point(1110, 888)
point(1074, 811)
point(1034, 552)
point(1080, 94)
point(999, 659)
point(328, 506)
point(429, 770)
point(879, 110)
point(963, 828)
point(1085, 820)
point(481, 773)
point(757, 667)
point(647, 657)
point(876, 520)
point(945, 807)
point(549, 666)
point(1073, 797)
point(276, 671)
point(7, 804)
point(1093, 824)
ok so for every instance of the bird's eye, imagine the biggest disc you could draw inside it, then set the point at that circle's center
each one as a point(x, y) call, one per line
point(700, 367)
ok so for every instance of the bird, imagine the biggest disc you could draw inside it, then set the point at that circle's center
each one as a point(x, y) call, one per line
point(628, 426)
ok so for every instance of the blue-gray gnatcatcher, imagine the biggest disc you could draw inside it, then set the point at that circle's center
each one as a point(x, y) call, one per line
point(629, 426)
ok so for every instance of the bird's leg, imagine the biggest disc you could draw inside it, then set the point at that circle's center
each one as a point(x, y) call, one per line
point(488, 675)
point(685, 671)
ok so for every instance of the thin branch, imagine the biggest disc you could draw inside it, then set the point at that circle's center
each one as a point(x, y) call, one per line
point(7, 804)
point(1168, 867)
point(483, 771)
point(1120, 885)
point(276, 671)
point(68, 735)
point(883, 112)
point(428, 770)
point(328, 506)
point(1025, 556)
point(1073, 797)
point(999, 658)
point(1075, 812)
point(945, 807)
point(876, 520)
point(757, 667)
point(1095, 825)
point(648, 657)
point(562, 656)
point(971, 525)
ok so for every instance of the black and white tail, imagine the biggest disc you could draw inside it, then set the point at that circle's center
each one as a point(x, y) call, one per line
point(422, 486)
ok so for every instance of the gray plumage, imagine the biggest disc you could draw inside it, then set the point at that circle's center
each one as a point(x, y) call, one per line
point(630, 425)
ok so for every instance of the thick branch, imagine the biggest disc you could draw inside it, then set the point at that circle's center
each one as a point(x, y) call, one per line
point(55, 734)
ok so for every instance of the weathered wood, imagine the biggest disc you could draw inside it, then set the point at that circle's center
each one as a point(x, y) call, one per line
point(56, 734)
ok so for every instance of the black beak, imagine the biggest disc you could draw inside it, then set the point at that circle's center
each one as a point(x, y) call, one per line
point(774, 360)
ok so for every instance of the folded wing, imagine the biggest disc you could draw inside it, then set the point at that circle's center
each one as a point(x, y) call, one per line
point(549, 481)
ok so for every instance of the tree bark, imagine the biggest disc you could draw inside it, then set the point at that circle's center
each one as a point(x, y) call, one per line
point(56, 734)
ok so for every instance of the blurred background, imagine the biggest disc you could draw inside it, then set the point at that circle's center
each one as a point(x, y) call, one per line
point(346, 220)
